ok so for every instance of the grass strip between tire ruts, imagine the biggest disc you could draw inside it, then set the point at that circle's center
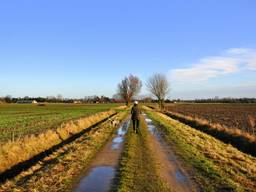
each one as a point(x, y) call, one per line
point(138, 168)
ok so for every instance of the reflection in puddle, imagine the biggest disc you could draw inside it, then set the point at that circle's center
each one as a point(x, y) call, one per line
point(115, 146)
point(152, 128)
point(118, 140)
point(122, 130)
point(98, 180)
point(116, 143)
point(148, 120)
point(180, 177)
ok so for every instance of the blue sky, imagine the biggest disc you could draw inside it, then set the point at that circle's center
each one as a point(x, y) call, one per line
point(78, 48)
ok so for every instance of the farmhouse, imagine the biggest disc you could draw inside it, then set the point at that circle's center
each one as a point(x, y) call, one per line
point(77, 102)
point(27, 102)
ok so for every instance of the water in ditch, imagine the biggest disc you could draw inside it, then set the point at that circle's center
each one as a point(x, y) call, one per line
point(103, 168)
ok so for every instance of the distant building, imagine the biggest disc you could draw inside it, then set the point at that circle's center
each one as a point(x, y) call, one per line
point(77, 102)
point(27, 102)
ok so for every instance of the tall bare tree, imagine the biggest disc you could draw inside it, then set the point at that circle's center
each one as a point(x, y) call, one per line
point(159, 87)
point(129, 87)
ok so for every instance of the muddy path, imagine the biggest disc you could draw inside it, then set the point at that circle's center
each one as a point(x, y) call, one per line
point(100, 174)
point(170, 168)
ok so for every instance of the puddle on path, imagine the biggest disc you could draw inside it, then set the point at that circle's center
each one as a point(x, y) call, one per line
point(180, 177)
point(152, 128)
point(118, 140)
point(170, 168)
point(98, 180)
point(103, 168)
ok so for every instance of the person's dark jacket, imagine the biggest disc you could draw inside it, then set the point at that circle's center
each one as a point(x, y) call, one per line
point(135, 112)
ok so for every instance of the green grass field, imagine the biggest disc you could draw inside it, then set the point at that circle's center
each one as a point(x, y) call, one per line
point(18, 120)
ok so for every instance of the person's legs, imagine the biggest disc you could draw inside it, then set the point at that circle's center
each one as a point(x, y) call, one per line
point(137, 125)
point(134, 125)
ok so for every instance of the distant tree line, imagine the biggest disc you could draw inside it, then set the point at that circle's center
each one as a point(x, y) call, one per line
point(222, 100)
point(215, 100)
point(227, 100)
point(118, 99)
point(60, 99)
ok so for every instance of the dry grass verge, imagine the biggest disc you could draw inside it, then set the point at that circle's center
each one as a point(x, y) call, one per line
point(236, 137)
point(216, 165)
point(15, 152)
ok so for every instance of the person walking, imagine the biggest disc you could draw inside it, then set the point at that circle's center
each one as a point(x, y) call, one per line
point(135, 112)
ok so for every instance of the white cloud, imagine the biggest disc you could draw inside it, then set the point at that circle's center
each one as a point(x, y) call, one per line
point(232, 61)
point(252, 64)
point(244, 90)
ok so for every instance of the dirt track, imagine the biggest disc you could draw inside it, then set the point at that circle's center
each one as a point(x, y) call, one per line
point(170, 168)
point(100, 175)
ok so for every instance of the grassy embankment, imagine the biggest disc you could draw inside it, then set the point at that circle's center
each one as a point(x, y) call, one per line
point(242, 140)
point(60, 171)
point(216, 166)
point(138, 169)
point(15, 152)
point(237, 137)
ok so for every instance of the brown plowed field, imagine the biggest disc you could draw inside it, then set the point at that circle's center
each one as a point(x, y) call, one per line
point(241, 116)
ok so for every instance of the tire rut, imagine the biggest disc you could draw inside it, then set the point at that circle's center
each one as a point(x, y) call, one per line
point(170, 169)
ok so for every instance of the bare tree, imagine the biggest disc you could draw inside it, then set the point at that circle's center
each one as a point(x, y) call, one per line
point(159, 87)
point(128, 88)
point(8, 98)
